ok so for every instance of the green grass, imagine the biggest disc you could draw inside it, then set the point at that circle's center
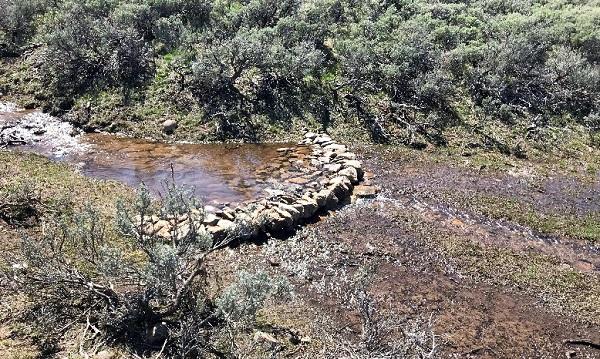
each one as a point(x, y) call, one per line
point(560, 286)
point(57, 183)
point(569, 225)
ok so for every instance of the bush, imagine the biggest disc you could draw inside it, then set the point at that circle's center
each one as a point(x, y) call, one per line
point(18, 24)
point(379, 336)
point(138, 289)
point(20, 204)
point(390, 64)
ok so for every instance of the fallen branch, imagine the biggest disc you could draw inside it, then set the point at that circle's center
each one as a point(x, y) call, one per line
point(583, 342)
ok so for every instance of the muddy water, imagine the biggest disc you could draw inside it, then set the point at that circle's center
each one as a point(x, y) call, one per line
point(219, 173)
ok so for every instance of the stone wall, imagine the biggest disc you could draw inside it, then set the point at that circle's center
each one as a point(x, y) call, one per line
point(317, 175)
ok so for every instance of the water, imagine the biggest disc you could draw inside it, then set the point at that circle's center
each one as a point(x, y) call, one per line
point(220, 173)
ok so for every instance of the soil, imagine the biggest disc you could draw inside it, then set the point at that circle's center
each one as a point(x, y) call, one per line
point(489, 284)
point(404, 236)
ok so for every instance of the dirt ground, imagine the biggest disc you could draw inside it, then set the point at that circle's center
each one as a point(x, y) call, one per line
point(499, 258)
point(493, 286)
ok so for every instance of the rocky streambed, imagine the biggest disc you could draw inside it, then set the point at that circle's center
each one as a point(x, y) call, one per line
point(270, 187)
point(320, 175)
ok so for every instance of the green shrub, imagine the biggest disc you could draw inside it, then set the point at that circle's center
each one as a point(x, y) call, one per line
point(140, 291)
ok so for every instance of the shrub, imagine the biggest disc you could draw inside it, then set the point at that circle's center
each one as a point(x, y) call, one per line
point(20, 204)
point(139, 290)
point(18, 24)
point(390, 64)
point(383, 336)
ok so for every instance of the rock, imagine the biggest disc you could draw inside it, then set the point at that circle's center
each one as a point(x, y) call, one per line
point(331, 201)
point(283, 208)
point(265, 337)
point(274, 192)
point(105, 354)
point(220, 230)
point(227, 213)
point(321, 197)
point(183, 230)
point(315, 162)
point(298, 180)
point(165, 232)
point(324, 159)
point(331, 155)
point(176, 218)
point(310, 207)
point(160, 224)
point(356, 164)
point(350, 173)
point(335, 148)
point(169, 126)
point(182, 218)
point(277, 221)
point(368, 178)
point(341, 186)
point(210, 219)
point(308, 189)
point(352, 163)
point(257, 212)
point(286, 198)
point(362, 191)
point(210, 209)
point(197, 212)
point(322, 140)
point(346, 156)
point(316, 151)
point(332, 167)
point(310, 135)
point(225, 224)
point(300, 208)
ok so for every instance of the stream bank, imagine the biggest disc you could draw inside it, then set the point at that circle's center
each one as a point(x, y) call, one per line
point(269, 187)
point(499, 252)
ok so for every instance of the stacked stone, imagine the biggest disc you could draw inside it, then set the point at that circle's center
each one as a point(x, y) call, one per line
point(327, 181)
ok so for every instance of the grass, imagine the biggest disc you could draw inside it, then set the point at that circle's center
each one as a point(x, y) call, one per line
point(559, 286)
point(546, 277)
point(59, 188)
point(586, 227)
point(543, 276)
point(579, 164)
point(58, 182)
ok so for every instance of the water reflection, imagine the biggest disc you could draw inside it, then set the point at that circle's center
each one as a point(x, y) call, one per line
point(218, 172)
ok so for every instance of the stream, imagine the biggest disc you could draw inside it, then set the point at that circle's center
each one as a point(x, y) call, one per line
point(219, 173)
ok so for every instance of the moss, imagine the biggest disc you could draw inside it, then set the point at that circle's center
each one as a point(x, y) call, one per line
point(590, 231)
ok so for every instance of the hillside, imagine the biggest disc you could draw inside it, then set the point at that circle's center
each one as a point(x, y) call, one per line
point(503, 75)
point(327, 179)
